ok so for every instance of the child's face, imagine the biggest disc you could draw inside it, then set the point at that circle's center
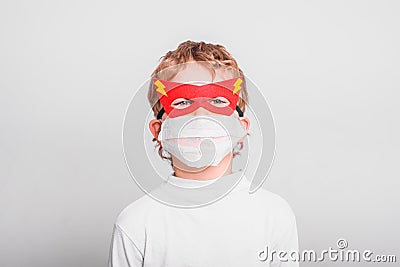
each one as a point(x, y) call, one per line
point(196, 73)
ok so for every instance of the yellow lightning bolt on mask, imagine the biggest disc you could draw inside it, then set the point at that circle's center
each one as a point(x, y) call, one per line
point(237, 85)
point(160, 87)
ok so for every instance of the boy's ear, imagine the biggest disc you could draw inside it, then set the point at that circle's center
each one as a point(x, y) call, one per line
point(245, 123)
point(155, 127)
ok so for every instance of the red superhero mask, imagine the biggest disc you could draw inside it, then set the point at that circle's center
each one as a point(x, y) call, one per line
point(198, 96)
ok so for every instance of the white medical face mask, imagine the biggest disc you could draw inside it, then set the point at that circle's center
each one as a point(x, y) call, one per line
point(200, 141)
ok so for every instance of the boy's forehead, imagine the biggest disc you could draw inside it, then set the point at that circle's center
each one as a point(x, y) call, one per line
point(197, 72)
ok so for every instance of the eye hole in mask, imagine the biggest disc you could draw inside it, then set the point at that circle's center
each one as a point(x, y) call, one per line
point(181, 103)
point(219, 101)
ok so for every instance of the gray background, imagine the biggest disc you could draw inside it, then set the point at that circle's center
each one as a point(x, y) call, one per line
point(330, 70)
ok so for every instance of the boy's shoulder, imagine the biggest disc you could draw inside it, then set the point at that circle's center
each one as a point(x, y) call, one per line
point(137, 216)
point(272, 199)
point(138, 211)
point(272, 204)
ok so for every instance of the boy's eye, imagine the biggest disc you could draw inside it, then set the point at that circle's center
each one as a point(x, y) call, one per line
point(181, 103)
point(219, 101)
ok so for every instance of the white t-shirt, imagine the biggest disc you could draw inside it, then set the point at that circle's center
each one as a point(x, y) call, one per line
point(232, 231)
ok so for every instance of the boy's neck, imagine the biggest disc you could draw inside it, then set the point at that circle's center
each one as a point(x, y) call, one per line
point(212, 172)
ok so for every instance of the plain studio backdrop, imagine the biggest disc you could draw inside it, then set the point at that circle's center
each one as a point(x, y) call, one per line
point(329, 70)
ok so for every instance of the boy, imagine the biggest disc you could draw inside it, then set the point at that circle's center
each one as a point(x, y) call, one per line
point(201, 85)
